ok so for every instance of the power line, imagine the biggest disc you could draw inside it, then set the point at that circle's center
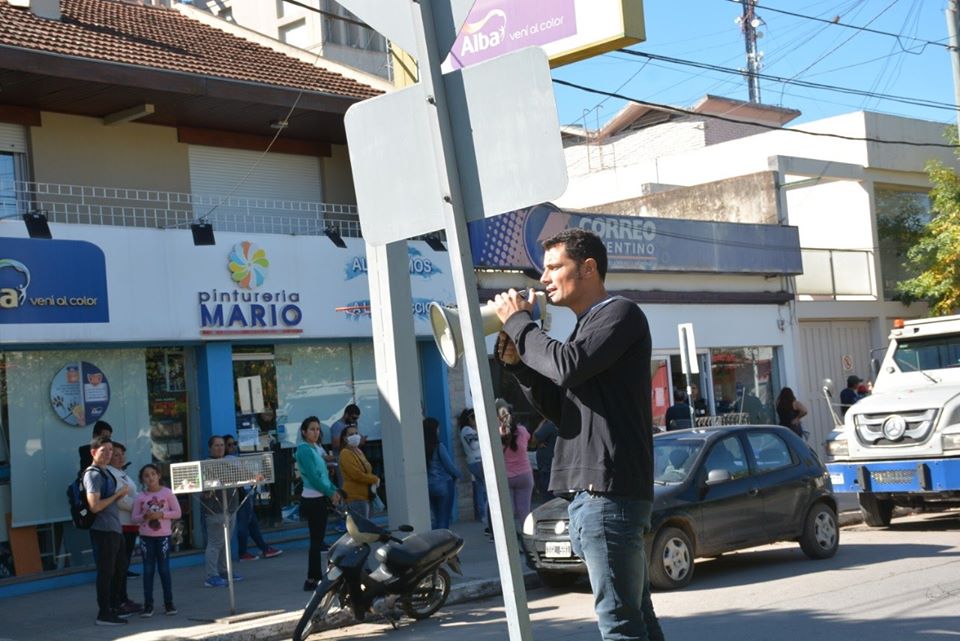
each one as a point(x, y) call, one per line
point(919, 102)
point(836, 21)
point(739, 121)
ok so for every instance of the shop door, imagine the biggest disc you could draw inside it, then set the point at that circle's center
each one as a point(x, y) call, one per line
point(255, 403)
point(834, 350)
point(701, 386)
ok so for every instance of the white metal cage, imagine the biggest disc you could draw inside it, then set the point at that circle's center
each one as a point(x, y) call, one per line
point(221, 473)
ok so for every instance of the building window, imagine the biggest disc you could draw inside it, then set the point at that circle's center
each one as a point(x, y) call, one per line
point(9, 175)
point(340, 27)
point(901, 217)
point(745, 380)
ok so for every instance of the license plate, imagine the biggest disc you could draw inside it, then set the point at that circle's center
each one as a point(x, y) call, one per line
point(836, 478)
point(558, 550)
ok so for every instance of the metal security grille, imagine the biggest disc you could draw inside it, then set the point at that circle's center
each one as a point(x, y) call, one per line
point(221, 473)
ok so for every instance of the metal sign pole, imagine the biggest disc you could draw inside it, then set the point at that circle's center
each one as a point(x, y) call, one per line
point(226, 549)
point(465, 286)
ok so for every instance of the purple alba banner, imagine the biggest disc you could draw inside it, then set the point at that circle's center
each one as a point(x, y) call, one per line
point(496, 27)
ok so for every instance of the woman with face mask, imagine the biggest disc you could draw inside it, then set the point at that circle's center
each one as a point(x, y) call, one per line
point(359, 481)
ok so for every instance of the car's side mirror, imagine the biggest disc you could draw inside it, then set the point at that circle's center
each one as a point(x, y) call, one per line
point(717, 476)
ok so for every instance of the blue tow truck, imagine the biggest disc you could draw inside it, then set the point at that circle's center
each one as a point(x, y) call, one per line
point(900, 446)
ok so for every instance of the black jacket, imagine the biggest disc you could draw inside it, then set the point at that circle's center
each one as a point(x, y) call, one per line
point(596, 388)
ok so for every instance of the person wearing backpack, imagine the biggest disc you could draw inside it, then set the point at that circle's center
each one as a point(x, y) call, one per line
point(103, 492)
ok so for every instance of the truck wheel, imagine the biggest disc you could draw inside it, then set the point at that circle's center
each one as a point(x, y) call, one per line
point(671, 559)
point(876, 512)
point(821, 535)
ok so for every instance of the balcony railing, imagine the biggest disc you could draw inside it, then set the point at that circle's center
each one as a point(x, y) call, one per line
point(87, 205)
point(837, 272)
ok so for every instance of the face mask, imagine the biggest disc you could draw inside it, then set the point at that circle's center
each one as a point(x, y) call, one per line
point(353, 440)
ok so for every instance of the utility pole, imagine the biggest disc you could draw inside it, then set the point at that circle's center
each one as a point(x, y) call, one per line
point(748, 25)
point(953, 26)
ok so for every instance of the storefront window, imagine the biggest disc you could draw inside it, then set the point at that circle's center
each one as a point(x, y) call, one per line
point(276, 387)
point(745, 380)
point(169, 422)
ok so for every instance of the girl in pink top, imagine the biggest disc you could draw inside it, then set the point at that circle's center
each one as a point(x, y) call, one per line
point(519, 473)
point(155, 509)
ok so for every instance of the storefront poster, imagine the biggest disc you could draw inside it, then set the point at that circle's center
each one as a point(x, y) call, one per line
point(52, 281)
point(80, 394)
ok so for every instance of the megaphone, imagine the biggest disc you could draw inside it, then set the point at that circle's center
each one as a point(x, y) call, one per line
point(445, 322)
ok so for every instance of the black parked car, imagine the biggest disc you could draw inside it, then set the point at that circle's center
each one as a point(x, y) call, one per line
point(716, 490)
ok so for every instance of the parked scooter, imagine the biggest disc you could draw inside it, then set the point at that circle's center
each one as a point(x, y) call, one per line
point(403, 576)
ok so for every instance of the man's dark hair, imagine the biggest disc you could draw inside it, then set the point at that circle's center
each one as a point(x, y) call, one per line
point(99, 441)
point(100, 427)
point(119, 446)
point(679, 395)
point(213, 438)
point(351, 410)
point(580, 245)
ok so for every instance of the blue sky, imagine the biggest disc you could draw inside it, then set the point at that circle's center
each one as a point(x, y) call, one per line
point(704, 31)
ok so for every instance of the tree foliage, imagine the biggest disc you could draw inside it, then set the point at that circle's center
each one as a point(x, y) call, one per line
point(935, 256)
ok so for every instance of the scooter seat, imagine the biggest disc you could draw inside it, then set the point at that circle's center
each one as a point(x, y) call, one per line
point(421, 549)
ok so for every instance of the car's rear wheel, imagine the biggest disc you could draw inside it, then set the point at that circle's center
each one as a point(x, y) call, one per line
point(821, 535)
point(553, 579)
point(876, 512)
point(671, 559)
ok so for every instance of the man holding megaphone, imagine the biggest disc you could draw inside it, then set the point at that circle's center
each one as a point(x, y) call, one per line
point(596, 387)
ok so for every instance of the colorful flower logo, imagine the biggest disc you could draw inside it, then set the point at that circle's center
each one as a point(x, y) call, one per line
point(248, 265)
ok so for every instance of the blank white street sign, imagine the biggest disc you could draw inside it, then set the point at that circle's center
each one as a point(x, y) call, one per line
point(395, 173)
point(507, 139)
point(507, 133)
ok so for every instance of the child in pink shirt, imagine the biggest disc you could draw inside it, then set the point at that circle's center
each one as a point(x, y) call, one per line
point(155, 509)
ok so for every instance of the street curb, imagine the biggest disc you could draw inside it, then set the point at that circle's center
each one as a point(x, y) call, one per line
point(852, 517)
point(280, 626)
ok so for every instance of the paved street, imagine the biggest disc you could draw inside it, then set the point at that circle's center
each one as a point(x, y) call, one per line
point(884, 585)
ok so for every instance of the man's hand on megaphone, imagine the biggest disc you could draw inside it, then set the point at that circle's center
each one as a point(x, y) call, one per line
point(507, 350)
point(511, 301)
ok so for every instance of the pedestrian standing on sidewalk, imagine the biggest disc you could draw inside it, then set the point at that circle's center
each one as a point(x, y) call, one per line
point(318, 493)
point(155, 510)
point(118, 466)
point(441, 475)
point(215, 555)
point(596, 387)
point(514, 438)
point(470, 440)
point(103, 492)
point(248, 525)
point(359, 481)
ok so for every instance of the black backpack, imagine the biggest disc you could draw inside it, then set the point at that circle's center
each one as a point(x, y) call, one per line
point(83, 517)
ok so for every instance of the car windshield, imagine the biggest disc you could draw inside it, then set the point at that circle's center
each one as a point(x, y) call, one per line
point(937, 352)
point(673, 458)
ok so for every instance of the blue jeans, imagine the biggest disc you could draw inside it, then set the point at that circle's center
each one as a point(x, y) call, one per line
point(607, 533)
point(359, 508)
point(441, 504)
point(479, 493)
point(248, 527)
point(156, 556)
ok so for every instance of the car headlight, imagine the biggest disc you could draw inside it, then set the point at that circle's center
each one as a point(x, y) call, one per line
point(528, 525)
point(951, 442)
point(837, 447)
